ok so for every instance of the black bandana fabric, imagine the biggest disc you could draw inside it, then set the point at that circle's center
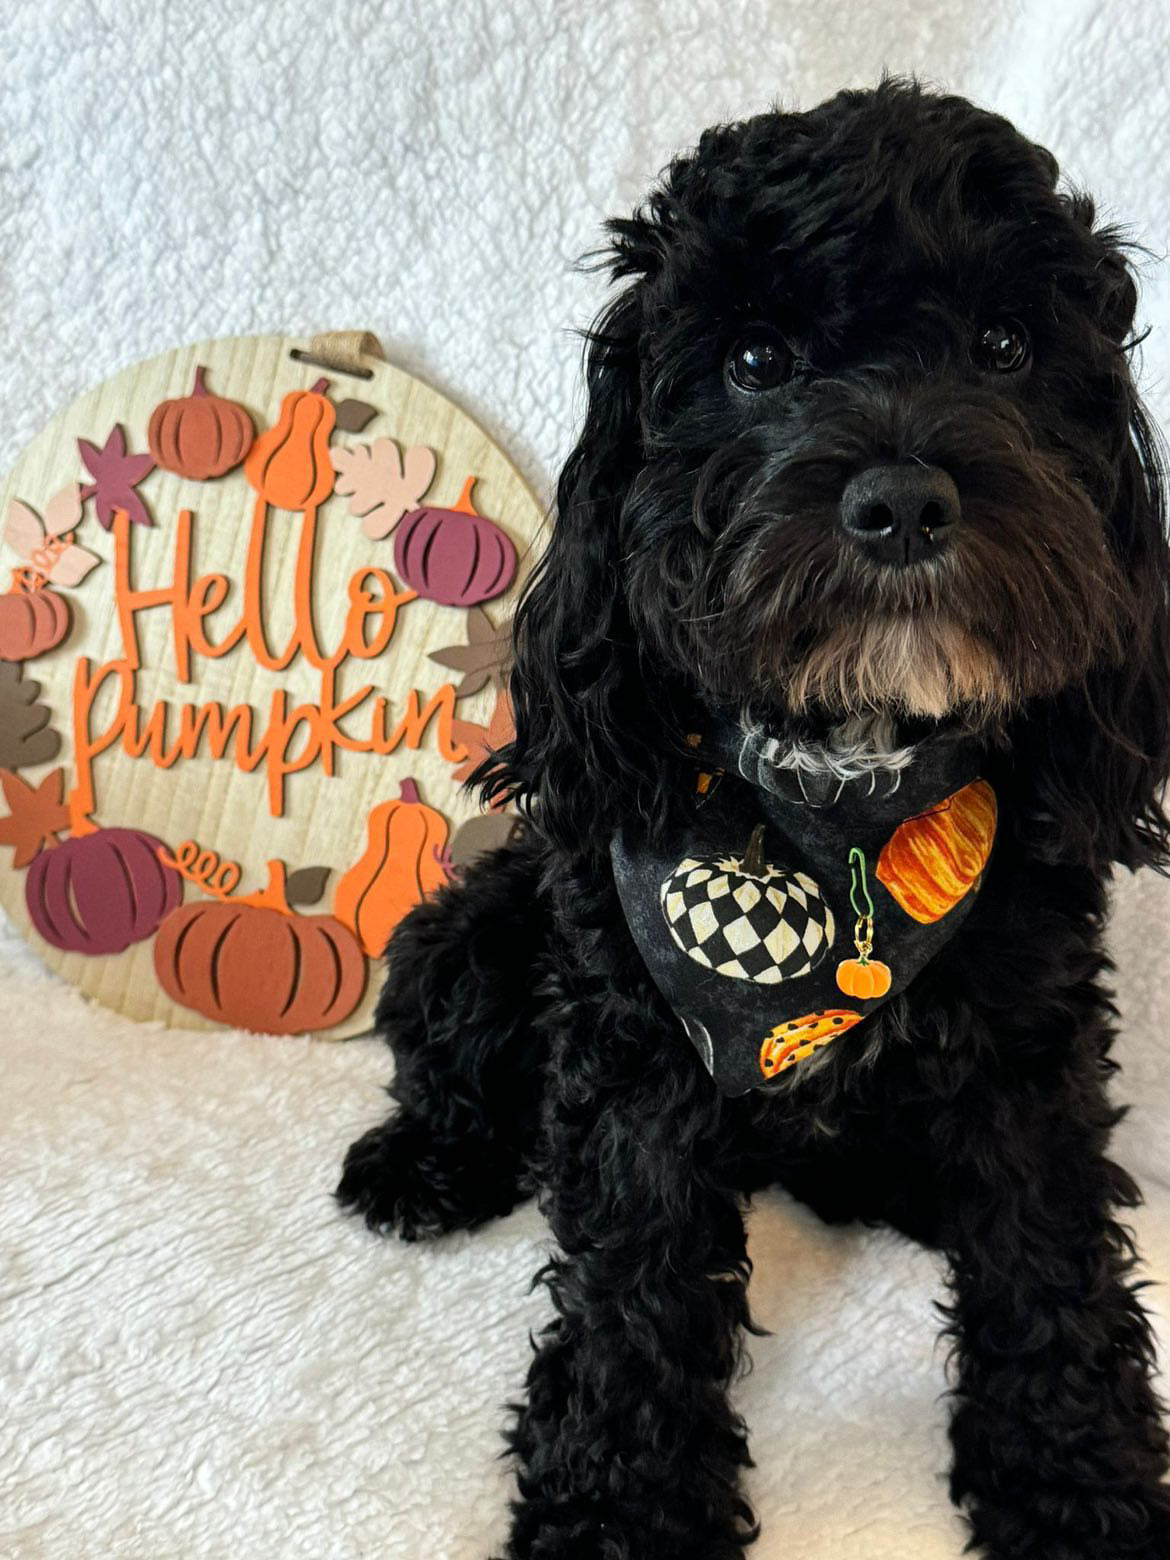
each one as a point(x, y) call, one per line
point(794, 905)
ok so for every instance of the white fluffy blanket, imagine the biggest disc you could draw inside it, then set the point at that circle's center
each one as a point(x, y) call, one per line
point(198, 1357)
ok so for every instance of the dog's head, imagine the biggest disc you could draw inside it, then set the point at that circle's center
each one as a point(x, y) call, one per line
point(861, 438)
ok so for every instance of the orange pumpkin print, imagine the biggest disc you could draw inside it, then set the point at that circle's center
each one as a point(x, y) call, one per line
point(931, 861)
point(289, 466)
point(405, 860)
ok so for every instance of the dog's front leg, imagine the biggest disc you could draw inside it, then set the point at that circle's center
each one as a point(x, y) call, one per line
point(628, 1446)
point(1058, 1444)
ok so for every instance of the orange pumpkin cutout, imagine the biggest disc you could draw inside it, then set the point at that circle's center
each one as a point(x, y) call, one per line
point(931, 861)
point(404, 861)
point(31, 622)
point(289, 466)
point(252, 963)
point(200, 435)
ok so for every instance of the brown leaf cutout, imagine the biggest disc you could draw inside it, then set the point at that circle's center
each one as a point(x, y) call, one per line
point(26, 737)
point(37, 814)
point(483, 659)
point(478, 836)
point(352, 416)
point(306, 885)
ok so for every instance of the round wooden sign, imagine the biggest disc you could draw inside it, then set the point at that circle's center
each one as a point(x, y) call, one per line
point(254, 641)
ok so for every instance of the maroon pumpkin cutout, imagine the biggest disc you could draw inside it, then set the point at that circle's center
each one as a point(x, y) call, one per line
point(31, 622)
point(200, 435)
point(100, 892)
point(454, 556)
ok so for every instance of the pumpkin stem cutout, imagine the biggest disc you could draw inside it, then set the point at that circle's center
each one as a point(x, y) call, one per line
point(463, 504)
point(274, 894)
point(862, 977)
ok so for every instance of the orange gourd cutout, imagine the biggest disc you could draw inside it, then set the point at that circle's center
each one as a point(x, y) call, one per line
point(931, 861)
point(289, 466)
point(404, 861)
point(249, 961)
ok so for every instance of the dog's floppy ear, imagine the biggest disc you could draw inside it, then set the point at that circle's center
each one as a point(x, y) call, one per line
point(1099, 754)
point(587, 722)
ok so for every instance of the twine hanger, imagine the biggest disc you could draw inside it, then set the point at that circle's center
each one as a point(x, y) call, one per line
point(342, 351)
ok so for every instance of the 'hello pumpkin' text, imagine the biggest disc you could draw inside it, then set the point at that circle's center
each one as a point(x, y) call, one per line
point(292, 736)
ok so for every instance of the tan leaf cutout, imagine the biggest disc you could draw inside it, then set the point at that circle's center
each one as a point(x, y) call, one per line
point(381, 483)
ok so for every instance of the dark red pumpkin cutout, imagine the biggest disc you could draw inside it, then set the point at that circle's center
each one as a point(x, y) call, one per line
point(100, 892)
point(454, 556)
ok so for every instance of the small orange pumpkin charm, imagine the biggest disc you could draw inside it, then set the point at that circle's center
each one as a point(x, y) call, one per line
point(930, 862)
point(864, 978)
point(200, 435)
point(289, 466)
point(404, 861)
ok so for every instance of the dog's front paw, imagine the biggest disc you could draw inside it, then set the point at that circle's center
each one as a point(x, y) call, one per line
point(401, 1178)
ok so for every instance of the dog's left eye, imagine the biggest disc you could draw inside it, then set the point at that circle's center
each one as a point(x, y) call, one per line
point(1001, 347)
point(759, 360)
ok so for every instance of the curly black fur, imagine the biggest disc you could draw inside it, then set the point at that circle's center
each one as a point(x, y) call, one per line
point(697, 556)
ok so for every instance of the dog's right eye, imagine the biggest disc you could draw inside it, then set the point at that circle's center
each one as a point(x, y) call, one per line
point(759, 360)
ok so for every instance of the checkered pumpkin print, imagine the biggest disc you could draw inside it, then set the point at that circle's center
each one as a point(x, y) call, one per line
point(764, 925)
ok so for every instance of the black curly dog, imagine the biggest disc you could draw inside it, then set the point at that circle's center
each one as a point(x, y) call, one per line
point(889, 284)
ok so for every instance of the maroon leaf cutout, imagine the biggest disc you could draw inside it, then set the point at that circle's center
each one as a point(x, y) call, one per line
point(115, 475)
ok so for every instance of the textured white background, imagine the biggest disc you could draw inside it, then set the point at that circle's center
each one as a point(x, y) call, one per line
point(198, 1358)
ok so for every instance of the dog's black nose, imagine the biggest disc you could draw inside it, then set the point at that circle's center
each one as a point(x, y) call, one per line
point(900, 513)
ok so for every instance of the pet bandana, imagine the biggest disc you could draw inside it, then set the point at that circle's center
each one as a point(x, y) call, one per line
point(794, 905)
